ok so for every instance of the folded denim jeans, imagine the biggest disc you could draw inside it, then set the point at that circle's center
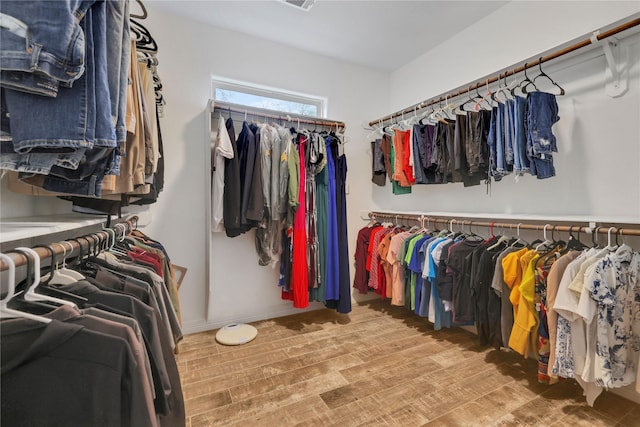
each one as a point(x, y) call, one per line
point(41, 37)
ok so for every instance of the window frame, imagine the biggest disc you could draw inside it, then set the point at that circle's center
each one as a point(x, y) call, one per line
point(271, 92)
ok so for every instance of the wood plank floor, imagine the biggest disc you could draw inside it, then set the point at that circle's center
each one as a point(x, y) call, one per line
point(377, 366)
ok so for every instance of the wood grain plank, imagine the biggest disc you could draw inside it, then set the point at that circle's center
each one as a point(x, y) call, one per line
point(215, 366)
point(298, 412)
point(585, 417)
point(207, 402)
point(287, 378)
point(266, 402)
point(191, 389)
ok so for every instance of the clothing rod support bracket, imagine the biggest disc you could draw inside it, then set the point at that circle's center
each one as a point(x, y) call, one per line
point(616, 69)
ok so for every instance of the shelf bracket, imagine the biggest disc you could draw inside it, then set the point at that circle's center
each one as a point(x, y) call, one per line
point(616, 67)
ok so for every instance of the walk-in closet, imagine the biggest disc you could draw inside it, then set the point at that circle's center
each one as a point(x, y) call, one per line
point(319, 213)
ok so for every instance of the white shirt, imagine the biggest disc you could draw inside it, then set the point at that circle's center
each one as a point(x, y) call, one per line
point(223, 150)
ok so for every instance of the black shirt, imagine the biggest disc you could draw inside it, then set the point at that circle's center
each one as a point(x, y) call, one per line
point(61, 374)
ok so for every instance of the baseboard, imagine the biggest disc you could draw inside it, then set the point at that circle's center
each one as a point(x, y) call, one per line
point(628, 392)
point(204, 325)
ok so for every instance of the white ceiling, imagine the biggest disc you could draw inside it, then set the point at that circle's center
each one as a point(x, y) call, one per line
point(379, 34)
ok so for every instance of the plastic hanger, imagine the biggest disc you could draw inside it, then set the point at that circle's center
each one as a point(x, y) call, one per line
point(502, 90)
point(478, 104)
point(546, 241)
point(462, 107)
point(474, 234)
point(543, 74)
point(31, 294)
point(594, 237)
point(83, 253)
point(609, 246)
point(447, 111)
point(54, 277)
point(51, 279)
point(404, 124)
point(5, 311)
point(574, 243)
point(64, 270)
point(502, 239)
point(519, 239)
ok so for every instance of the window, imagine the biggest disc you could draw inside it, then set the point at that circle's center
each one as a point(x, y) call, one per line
point(263, 97)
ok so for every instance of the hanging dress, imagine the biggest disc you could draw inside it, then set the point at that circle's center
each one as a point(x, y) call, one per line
point(332, 282)
point(322, 210)
point(299, 273)
point(344, 304)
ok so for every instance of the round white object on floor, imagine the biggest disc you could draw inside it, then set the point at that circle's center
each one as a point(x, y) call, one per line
point(236, 334)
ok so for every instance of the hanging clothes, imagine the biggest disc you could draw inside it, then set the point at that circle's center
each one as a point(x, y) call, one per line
point(322, 226)
point(300, 275)
point(283, 173)
point(575, 311)
point(120, 334)
point(223, 150)
point(332, 282)
point(344, 296)
point(115, 158)
point(232, 191)
point(513, 135)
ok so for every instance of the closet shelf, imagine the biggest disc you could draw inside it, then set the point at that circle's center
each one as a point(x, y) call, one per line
point(25, 227)
point(44, 232)
point(272, 114)
point(626, 226)
point(521, 217)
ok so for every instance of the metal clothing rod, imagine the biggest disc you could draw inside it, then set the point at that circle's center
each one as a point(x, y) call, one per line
point(517, 69)
point(276, 115)
point(421, 219)
point(73, 247)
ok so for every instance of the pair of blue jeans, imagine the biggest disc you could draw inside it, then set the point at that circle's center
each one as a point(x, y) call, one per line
point(541, 114)
point(520, 159)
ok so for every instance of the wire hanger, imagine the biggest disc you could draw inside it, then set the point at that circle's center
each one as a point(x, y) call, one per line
point(543, 74)
point(526, 82)
point(5, 311)
point(469, 100)
point(144, 11)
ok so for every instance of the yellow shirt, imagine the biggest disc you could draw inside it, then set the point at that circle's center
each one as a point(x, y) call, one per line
point(524, 335)
point(512, 275)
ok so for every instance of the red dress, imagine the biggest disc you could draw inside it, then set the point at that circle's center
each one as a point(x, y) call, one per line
point(300, 271)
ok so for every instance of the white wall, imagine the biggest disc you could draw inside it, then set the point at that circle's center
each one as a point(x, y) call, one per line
point(513, 33)
point(598, 136)
point(190, 53)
